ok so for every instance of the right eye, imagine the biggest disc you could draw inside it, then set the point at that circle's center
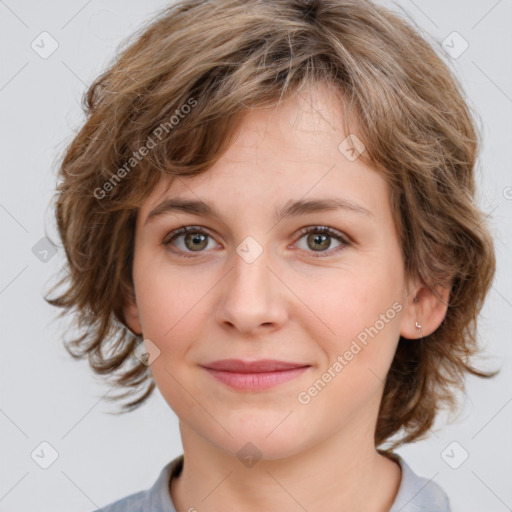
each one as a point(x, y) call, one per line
point(188, 239)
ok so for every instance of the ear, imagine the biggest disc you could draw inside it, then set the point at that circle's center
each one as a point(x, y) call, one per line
point(424, 307)
point(131, 313)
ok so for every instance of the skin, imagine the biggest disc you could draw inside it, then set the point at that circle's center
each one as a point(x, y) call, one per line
point(289, 304)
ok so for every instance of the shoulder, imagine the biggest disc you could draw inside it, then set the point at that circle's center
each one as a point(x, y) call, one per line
point(132, 503)
point(418, 494)
point(155, 498)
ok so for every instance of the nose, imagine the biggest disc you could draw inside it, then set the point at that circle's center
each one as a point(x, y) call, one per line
point(252, 298)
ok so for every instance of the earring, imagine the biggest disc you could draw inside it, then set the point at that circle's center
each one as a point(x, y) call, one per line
point(418, 326)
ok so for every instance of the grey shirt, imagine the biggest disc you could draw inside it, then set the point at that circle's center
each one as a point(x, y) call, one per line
point(415, 494)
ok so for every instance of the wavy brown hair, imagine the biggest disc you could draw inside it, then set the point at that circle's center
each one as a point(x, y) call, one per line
point(224, 57)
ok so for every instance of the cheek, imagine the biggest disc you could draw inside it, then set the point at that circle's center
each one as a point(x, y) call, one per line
point(357, 316)
point(168, 298)
point(172, 316)
point(357, 357)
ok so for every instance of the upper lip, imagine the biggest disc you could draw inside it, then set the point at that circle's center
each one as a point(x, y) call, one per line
point(263, 365)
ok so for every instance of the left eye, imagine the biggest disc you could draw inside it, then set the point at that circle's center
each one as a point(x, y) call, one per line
point(319, 239)
point(195, 239)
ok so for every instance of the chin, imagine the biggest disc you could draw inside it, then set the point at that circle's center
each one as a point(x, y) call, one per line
point(264, 443)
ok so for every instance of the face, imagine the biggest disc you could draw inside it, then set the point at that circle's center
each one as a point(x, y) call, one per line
point(322, 287)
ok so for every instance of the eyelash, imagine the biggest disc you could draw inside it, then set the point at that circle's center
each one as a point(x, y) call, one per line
point(304, 231)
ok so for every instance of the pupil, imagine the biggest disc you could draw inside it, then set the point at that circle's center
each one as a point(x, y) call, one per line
point(318, 239)
point(196, 239)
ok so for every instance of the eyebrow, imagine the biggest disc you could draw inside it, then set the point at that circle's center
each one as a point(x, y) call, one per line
point(291, 209)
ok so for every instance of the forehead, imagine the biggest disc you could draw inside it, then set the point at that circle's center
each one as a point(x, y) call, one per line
point(280, 154)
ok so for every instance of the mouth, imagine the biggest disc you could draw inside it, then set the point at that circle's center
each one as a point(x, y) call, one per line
point(254, 375)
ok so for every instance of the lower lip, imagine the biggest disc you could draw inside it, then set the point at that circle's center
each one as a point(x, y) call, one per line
point(256, 381)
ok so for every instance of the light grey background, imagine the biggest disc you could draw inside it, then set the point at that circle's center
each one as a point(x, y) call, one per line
point(47, 396)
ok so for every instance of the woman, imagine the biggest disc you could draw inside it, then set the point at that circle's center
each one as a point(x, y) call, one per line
point(269, 214)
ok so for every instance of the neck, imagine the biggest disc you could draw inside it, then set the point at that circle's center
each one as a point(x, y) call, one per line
point(344, 473)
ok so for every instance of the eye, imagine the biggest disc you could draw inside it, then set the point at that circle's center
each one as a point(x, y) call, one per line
point(190, 239)
point(194, 239)
point(318, 238)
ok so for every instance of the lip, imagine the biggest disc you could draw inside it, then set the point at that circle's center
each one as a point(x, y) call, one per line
point(260, 366)
point(254, 375)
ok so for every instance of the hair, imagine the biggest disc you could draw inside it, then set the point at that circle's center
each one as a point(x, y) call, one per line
point(192, 71)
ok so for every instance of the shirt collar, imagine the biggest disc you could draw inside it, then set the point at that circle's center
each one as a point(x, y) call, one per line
point(415, 493)
point(158, 497)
